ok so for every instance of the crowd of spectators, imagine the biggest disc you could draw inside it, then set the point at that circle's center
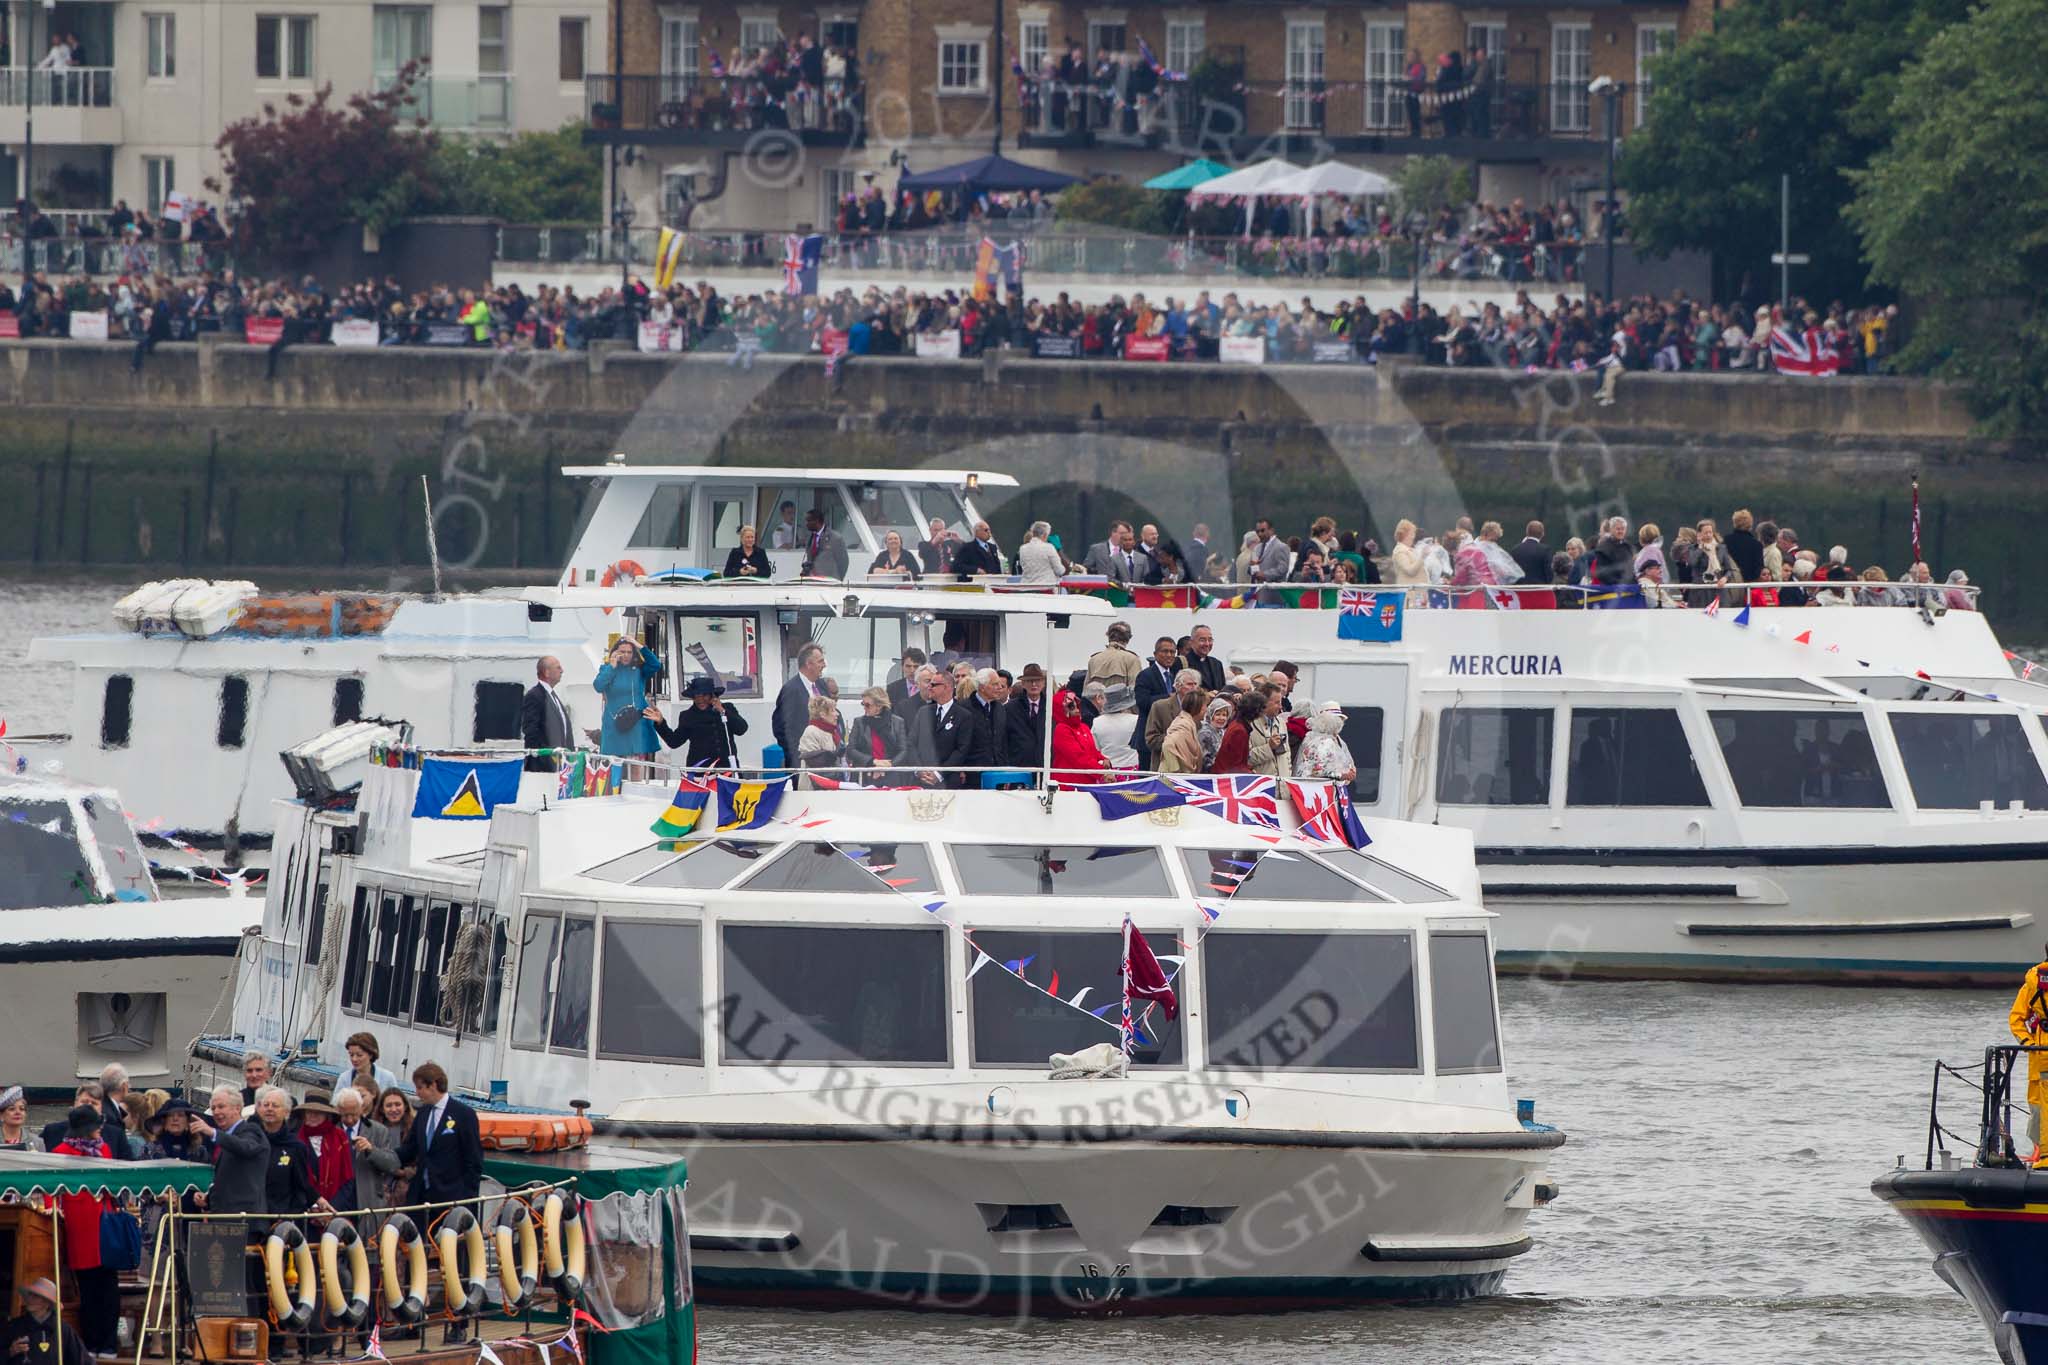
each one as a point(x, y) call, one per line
point(806, 82)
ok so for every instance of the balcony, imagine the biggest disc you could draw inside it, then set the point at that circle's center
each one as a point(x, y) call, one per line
point(689, 110)
point(74, 106)
point(459, 103)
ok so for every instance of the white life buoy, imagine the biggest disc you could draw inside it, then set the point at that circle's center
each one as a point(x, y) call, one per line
point(408, 1301)
point(518, 1254)
point(289, 1239)
point(459, 1238)
point(562, 1229)
point(350, 1303)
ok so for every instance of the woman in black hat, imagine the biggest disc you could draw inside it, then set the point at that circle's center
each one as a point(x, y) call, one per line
point(707, 731)
point(178, 1132)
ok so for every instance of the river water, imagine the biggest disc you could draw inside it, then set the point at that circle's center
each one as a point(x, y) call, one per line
point(1715, 1208)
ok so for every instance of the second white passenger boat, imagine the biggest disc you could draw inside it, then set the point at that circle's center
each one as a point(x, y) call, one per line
point(847, 1018)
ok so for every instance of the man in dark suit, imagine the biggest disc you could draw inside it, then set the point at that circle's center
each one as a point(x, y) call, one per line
point(1532, 556)
point(1201, 658)
point(793, 703)
point(979, 555)
point(241, 1156)
point(991, 691)
point(113, 1110)
point(824, 551)
point(1024, 720)
point(904, 696)
point(544, 717)
point(1196, 561)
point(1155, 680)
point(959, 737)
point(1117, 558)
point(446, 1150)
point(920, 728)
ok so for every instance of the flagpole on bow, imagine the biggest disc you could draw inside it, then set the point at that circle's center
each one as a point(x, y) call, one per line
point(1127, 989)
point(1916, 518)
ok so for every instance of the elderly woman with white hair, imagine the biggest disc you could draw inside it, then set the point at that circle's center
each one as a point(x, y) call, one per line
point(1039, 561)
point(1112, 732)
point(1324, 753)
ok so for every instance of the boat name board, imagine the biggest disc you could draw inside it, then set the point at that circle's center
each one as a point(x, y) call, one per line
point(1506, 665)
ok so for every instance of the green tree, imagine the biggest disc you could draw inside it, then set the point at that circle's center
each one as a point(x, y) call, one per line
point(1950, 214)
point(1779, 87)
point(1430, 184)
point(303, 170)
point(1114, 204)
point(529, 178)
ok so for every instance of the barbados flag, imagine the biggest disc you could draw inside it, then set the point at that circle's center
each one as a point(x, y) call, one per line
point(453, 789)
point(685, 810)
point(747, 805)
point(1119, 799)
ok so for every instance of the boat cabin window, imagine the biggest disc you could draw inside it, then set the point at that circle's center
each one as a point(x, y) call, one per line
point(1365, 729)
point(551, 1008)
point(46, 864)
point(1461, 1004)
point(348, 700)
point(120, 854)
point(783, 510)
point(444, 921)
point(497, 711)
point(233, 728)
point(355, 964)
point(815, 994)
point(653, 992)
point(665, 525)
point(1067, 870)
point(384, 952)
point(726, 649)
point(1494, 756)
point(1894, 688)
point(570, 1028)
point(1631, 756)
point(117, 711)
point(858, 870)
point(1384, 877)
point(973, 638)
point(1959, 761)
point(539, 936)
point(1310, 1002)
point(1040, 993)
point(1801, 758)
point(1268, 874)
point(630, 867)
point(316, 920)
point(728, 515)
point(494, 983)
point(860, 651)
point(706, 866)
point(401, 949)
point(887, 507)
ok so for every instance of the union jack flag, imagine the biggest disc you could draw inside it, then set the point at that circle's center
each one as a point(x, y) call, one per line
point(1241, 798)
point(1354, 601)
point(800, 257)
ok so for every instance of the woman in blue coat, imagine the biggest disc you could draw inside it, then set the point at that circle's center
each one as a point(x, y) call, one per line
point(622, 684)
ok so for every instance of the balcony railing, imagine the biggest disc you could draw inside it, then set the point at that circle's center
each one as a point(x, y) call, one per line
point(948, 256)
point(712, 104)
point(458, 101)
point(74, 87)
point(102, 256)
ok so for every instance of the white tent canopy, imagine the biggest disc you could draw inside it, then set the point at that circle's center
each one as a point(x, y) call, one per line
point(1249, 182)
point(1327, 177)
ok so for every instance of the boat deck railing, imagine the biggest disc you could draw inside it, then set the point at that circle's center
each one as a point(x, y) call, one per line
point(170, 1311)
point(1994, 1141)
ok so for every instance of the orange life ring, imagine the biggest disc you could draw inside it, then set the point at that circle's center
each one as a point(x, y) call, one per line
point(625, 570)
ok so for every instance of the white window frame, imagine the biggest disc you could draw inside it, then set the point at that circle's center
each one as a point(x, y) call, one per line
point(1034, 45)
point(1186, 42)
point(953, 58)
point(1098, 22)
point(502, 45)
point(160, 40)
point(682, 54)
point(1307, 52)
point(1386, 76)
point(294, 39)
point(758, 30)
point(1571, 71)
point(159, 176)
point(1653, 40)
point(1492, 34)
point(834, 184)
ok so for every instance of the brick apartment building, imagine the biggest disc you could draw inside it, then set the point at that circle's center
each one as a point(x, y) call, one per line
point(933, 81)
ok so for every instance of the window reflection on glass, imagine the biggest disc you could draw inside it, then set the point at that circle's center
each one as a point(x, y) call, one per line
point(1310, 1002)
point(1461, 1003)
point(1071, 997)
point(860, 651)
point(1801, 758)
point(857, 870)
point(45, 862)
point(653, 992)
point(730, 645)
point(665, 525)
point(707, 866)
point(1958, 762)
point(1494, 756)
point(805, 994)
point(572, 987)
point(1068, 870)
point(537, 938)
point(1268, 874)
point(1631, 756)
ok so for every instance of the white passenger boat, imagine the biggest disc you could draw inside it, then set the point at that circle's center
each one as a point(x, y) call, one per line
point(95, 966)
point(847, 1017)
point(1847, 794)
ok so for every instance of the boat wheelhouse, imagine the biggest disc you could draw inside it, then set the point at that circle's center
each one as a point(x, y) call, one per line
point(95, 966)
point(850, 1015)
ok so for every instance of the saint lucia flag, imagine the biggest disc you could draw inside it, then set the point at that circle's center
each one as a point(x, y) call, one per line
point(684, 811)
point(747, 805)
point(1119, 799)
point(451, 789)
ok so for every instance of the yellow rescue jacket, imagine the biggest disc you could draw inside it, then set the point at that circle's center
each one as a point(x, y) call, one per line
point(2032, 1002)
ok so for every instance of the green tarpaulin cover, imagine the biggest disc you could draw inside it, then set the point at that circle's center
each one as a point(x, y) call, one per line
point(33, 1175)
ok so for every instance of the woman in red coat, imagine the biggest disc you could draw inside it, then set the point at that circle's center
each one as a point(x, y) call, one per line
point(99, 1289)
point(1075, 759)
point(1233, 755)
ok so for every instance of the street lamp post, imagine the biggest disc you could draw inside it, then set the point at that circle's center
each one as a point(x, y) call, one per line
point(622, 218)
point(1613, 90)
point(1418, 232)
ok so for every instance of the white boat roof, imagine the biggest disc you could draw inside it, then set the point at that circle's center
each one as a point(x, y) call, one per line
point(830, 595)
point(191, 918)
point(744, 473)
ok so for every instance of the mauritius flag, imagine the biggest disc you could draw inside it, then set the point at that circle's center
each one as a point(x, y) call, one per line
point(685, 809)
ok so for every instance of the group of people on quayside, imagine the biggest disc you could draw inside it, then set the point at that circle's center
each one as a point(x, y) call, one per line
point(362, 1144)
point(945, 721)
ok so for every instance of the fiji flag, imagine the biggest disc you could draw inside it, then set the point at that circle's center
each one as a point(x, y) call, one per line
point(1119, 799)
point(451, 789)
point(747, 805)
point(1364, 615)
point(800, 263)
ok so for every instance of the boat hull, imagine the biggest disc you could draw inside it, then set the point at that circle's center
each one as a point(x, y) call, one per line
point(1868, 916)
point(1264, 1223)
point(1988, 1230)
